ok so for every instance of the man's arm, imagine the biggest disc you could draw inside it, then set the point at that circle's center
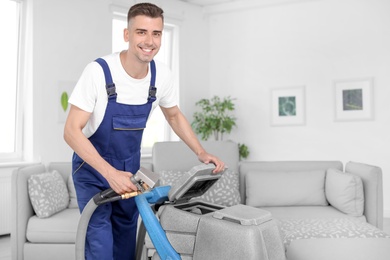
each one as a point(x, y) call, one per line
point(183, 129)
point(119, 180)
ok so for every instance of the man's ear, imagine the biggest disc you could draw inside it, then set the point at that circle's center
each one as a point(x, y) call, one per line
point(126, 34)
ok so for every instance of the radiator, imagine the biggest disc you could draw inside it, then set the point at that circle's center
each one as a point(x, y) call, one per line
point(5, 204)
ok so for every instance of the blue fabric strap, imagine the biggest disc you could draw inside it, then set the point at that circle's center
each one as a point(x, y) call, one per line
point(152, 88)
point(110, 86)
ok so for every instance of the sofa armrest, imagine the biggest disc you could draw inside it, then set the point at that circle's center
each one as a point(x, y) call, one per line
point(21, 207)
point(373, 190)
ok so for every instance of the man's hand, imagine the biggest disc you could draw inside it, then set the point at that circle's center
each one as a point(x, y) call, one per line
point(120, 182)
point(207, 158)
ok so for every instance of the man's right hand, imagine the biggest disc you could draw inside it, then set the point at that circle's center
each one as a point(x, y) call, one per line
point(120, 181)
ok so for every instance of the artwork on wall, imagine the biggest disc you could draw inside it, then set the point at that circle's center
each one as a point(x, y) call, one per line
point(353, 99)
point(288, 106)
point(65, 88)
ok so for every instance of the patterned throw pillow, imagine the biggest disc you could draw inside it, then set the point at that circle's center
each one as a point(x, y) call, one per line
point(48, 193)
point(224, 192)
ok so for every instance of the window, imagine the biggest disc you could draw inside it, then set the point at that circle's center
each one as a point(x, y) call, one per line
point(157, 128)
point(10, 112)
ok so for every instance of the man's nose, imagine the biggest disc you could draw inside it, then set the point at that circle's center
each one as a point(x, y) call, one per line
point(149, 39)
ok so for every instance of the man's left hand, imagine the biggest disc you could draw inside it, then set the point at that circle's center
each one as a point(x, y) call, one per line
point(209, 158)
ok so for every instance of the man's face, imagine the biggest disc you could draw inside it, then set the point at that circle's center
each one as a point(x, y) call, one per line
point(144, 37)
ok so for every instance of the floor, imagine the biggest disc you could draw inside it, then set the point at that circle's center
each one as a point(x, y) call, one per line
point(5, 247)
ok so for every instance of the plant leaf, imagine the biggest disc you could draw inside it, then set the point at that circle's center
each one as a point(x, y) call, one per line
point(64, 101)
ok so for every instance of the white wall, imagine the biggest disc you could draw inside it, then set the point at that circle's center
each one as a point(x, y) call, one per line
point(66, 36)
point(311, 43)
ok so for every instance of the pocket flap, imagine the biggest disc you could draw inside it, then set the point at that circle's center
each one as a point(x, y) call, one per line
point(129, 122)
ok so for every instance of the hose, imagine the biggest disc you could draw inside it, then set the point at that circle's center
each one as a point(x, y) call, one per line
point(105, 196)
point(156, 196)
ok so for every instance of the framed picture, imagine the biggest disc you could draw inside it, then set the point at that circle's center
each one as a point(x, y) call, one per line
point(288, 106)
point(354, 99)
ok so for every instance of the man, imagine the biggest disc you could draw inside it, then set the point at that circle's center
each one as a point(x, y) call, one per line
point(109, 109)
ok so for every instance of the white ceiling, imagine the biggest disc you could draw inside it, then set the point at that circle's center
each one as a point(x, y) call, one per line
point(208, 2)
point(217, 6)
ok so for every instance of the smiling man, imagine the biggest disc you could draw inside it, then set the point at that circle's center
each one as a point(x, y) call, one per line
point(110, 106)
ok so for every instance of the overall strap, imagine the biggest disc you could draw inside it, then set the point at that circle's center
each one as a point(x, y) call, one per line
point(110, 86)
point(152, 88)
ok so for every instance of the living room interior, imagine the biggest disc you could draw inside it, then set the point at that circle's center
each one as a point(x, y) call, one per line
point(246, 49)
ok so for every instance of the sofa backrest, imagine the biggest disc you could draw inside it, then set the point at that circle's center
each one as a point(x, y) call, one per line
point(177, 156)
point(64, 168)
point(282, 166)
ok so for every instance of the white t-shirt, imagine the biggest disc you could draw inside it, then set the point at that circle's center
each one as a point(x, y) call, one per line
point(90, 93)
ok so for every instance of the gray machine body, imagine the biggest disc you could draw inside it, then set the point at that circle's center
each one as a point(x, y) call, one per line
point(199, 230)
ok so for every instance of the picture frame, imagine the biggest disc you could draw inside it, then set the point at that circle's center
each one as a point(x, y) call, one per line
point(288, 106)
point(353, 99)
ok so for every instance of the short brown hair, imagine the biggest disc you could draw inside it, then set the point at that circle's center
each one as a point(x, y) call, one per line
point(147, 9)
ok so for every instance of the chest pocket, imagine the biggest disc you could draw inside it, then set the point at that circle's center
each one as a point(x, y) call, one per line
point(129, 122)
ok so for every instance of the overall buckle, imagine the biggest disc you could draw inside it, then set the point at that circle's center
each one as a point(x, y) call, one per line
point(111, 89)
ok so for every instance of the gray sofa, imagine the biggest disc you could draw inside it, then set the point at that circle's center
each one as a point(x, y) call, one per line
point(34, 238)
point(298, 195)
point(54, 237)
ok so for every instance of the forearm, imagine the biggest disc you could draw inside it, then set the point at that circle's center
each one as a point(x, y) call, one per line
point(183, 129)
point(84, 148)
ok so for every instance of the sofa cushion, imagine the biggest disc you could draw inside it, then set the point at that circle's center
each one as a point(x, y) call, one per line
point(344, 191)
point(48, 193)
point(224, 192)
point(301, 188)
point(59, 228)
point(320, 228)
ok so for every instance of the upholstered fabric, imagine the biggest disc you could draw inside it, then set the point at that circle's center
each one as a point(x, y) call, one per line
point(344, 191)
point(48, 193)
point(295, 229)
point(224, 192)
point(59, 228)
point(300, 212)
point(281, 166)
point(178, 156)
point(301, 188)
point(72, 193)
point(373, 190)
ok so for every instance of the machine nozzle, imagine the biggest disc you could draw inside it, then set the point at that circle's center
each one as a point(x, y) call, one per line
point(144, 179)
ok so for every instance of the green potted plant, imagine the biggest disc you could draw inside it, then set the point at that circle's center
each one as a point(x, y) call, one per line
point(216, 119)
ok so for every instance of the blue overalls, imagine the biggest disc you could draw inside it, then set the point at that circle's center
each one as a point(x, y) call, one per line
point(112, 228)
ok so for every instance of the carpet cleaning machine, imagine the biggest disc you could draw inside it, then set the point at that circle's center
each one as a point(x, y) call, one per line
point(192, 230)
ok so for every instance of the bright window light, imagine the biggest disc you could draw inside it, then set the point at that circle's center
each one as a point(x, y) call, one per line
point(9, 28)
